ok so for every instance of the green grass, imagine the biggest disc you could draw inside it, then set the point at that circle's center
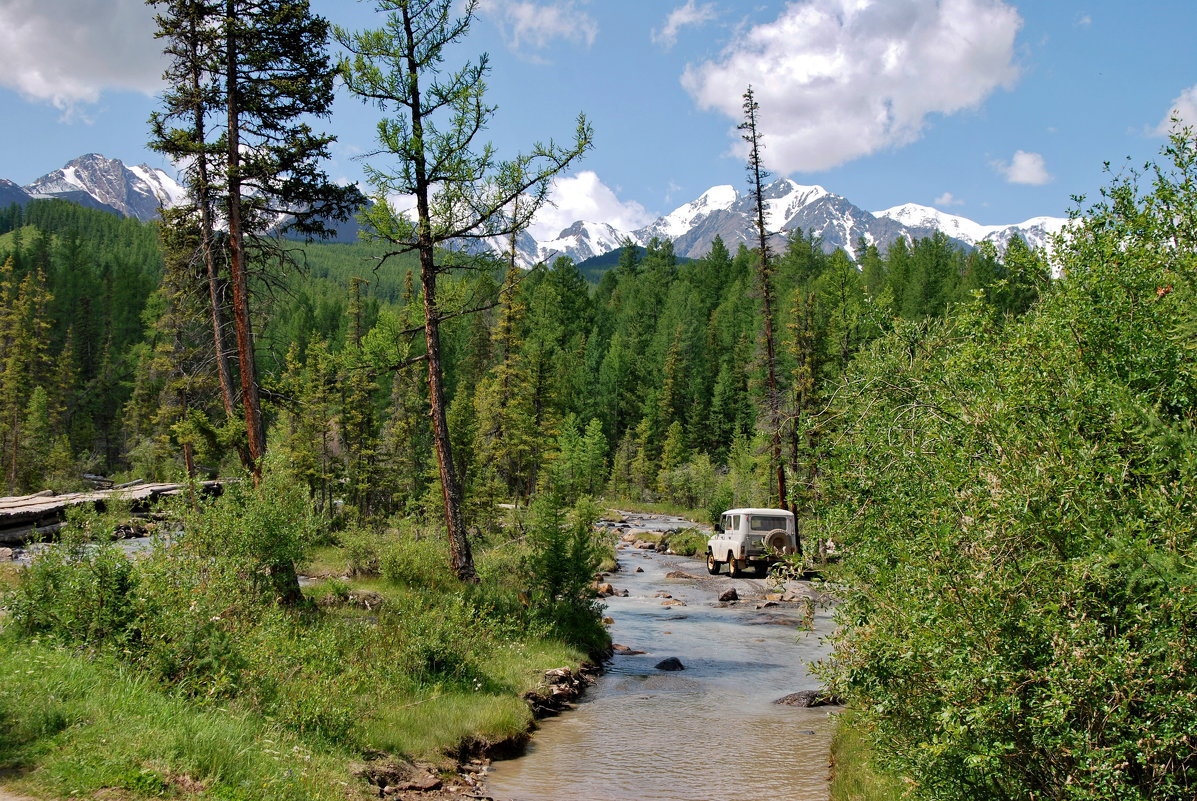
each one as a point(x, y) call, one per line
point(673, 510)
point(854, 773)
point(75, 724)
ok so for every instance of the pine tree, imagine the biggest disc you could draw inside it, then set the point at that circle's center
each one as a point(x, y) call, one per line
point(263, 66)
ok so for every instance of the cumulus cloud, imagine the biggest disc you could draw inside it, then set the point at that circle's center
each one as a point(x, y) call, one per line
point(583, 196)
point(946, 200)
point(68, 52)
point(528, 26)
point(1024, 168)
point(840, 79)
point(689, 14)
point(1183, 111)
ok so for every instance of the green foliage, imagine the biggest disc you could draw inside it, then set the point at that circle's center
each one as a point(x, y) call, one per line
point(80, 592)
point(1016, 508)
point(415, 558)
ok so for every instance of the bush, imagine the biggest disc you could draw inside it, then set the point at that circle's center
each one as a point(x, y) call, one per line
point(79, 591)
point(1016, 500)
point(412, 559)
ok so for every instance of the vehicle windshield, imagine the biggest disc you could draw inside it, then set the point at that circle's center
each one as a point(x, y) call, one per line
point(762, 523)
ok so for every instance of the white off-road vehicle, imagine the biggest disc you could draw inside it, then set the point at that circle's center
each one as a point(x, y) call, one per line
point(756, 537)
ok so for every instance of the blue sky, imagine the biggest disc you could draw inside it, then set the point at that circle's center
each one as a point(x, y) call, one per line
point(995, 110)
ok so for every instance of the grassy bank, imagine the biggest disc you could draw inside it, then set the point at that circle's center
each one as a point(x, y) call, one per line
point(180, 675)
point(855, 775)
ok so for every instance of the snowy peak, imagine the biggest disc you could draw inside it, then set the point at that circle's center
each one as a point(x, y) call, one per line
point(912, 215)
point(1037, 231)
point(580, 241)
point(684, 218)
point(134, 192)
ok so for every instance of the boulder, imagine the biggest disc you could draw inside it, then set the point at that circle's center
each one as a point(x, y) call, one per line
point(604, 590)
point(639, 570)
point(678, 574)
point(672, 663)
point(729, 595)
point(808, 698)
point(6, 554)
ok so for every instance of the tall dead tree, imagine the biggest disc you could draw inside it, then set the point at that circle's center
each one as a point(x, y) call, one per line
point(764, 279)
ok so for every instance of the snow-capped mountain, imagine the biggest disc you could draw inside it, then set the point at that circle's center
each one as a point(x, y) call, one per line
point(582, 240)
point(839, 224)
point(131, 191)
point(1037, 231)
point(723, 211)
point(10, 193)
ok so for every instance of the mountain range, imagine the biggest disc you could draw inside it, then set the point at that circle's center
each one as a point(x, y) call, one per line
point(100, 182)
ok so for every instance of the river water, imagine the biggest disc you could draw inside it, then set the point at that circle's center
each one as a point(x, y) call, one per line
point(709, 732)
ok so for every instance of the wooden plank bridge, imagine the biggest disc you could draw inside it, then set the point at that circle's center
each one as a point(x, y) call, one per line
point(28, 517)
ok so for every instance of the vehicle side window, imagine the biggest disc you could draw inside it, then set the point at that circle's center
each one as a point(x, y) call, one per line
point(735, 523)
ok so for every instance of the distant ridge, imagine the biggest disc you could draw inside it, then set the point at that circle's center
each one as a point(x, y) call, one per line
point(721, 211)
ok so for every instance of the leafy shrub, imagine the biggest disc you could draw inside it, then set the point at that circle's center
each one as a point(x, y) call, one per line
point(411, 559)
point(1016, 501)
point(688, 542)
point(78, 591)
point(362, 548)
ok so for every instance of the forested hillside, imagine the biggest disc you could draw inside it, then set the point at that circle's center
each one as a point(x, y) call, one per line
point(644, 385)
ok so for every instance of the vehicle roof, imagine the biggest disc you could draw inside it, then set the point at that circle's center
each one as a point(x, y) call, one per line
point(752, 510)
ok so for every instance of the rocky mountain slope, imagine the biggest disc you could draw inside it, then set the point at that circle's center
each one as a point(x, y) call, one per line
point(95, 180)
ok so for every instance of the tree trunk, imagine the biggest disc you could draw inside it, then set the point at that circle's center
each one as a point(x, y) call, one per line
point(461, 559)
point(460, 556)
point(237, 269)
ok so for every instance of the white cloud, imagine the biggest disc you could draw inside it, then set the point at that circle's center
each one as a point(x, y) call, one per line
point(1183, 109)
point(67, 52)
point(1084, 21)
point(680, 17)
point(946, 200)
point(1024, 168)
point(840, 79)
point(533, 26)
point(583, 196)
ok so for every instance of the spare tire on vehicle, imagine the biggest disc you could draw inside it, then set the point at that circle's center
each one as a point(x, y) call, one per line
point(778, 540)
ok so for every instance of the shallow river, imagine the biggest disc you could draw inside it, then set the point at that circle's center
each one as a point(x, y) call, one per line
point(710, 732)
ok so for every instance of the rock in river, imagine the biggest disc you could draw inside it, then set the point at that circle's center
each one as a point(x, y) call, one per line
point(810, 698)
point(729, 595)
point(672, 663)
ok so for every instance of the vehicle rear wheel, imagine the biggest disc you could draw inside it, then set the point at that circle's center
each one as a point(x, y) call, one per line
point(712, 564)
point(733, 567)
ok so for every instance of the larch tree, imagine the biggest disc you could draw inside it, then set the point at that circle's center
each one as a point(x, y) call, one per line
point(461, 190)
point(764, 279)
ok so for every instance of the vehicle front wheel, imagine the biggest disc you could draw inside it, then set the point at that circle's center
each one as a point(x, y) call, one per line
point(712, 564)
point(733, 567)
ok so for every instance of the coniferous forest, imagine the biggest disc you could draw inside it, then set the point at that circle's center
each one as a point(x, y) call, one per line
point(991, 454)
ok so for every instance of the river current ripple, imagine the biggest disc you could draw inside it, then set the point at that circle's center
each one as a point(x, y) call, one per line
point(710, 732)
